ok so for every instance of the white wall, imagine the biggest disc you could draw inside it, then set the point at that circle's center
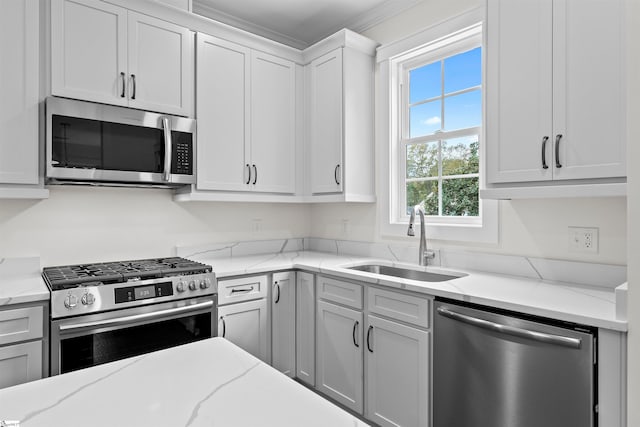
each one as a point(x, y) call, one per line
point(527, 227)
point(83, 224)
point(633, 199)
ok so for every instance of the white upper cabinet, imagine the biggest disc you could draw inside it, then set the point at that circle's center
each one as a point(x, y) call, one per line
point(325, 122)
point(273, 130)
point(19, 91)
point(340, 124)
point(246, 110)
point(555, 90)
point(222, 110)
point(104, 53)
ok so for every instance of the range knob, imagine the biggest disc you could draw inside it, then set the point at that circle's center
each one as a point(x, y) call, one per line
point(205, 283)
point(180, 287)
point(70, 301)
point(88, 299)
point(192, 285)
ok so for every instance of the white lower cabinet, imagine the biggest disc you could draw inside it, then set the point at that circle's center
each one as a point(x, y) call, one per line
point(283, 327)
point(397, 374)
point(244, 322)
point(20, 363)
point(339, 354)
point(305, 328)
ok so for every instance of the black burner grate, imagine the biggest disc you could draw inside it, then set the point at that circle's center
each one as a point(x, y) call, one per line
point(65, 277)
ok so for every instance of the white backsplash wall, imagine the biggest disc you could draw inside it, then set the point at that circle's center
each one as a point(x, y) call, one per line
point(534, 228)
point(85, 224)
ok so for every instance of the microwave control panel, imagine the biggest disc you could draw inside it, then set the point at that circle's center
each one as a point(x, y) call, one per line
point(182, 156)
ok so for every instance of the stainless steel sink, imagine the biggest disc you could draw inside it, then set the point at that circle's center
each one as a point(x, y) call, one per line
point(404, 273)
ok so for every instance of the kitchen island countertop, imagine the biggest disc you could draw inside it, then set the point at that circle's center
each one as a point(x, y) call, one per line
point(206, 383)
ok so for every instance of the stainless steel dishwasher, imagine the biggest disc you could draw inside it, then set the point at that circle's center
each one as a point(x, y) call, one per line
point(494, 369)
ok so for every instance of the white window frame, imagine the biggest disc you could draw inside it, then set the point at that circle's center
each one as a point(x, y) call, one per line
point(457, 34)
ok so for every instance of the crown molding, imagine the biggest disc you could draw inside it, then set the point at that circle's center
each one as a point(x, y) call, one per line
point(380, 13)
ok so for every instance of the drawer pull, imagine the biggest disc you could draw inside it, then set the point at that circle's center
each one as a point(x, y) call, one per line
point(241, 291)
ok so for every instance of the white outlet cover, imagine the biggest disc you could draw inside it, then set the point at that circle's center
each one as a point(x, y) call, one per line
point(583, 239)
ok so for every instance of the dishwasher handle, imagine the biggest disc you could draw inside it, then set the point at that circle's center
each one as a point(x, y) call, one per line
point(511, 330)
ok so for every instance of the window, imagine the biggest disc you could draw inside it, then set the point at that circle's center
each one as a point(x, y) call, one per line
point(431, 112)
point(440, 104)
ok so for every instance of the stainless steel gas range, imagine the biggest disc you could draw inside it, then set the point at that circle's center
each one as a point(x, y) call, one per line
point(109, 311)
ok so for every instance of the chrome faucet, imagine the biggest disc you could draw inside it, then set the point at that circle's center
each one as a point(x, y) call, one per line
point(423, 253)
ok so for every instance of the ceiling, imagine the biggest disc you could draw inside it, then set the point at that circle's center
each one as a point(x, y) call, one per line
point(300, 23)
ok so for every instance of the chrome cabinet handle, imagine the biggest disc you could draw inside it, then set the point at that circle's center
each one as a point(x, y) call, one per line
point(224, 326)
point(278, 294)
point(355, 327)
point(133, 80)
point(544, 152)
point(166, 126)
point(335, 174)
point(243, 290)
point(368, 338)
point(255, 174)
point(124, 83)
point(248, 177)
point(126, 320)
point(511, 330)
point(558, 138)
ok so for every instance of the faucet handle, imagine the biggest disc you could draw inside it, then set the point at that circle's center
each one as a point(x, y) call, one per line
point(427, 255)
point(410, 231)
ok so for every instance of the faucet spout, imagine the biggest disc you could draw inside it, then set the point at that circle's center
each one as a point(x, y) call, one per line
point(423, 253)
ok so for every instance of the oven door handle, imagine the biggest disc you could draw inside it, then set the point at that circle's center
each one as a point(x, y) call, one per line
point(136, 317)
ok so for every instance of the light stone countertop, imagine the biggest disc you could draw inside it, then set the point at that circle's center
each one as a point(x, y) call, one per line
point(588, 305)
point(206, 383)
point(21, 281)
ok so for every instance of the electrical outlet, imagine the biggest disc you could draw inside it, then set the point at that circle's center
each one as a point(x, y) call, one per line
point(583, 239)
point(345, 227)
point(256, 225)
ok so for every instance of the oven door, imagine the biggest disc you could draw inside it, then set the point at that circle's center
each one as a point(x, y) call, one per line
point(84, 341)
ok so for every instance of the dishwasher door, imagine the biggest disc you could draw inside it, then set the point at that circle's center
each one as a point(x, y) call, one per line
point(492, 370)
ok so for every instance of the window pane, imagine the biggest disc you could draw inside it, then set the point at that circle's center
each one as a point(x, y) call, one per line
point(460, 197)
point(425, 82)
point(422, 160)
point(463, 111)
point(425, 119)
point(460, 156)
point(463, 71)
point(425, 191)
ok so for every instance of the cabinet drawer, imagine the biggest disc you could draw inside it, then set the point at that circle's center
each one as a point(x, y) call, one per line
point(243, 289)
point(346, 293)
point(20, 324)
point(395, 305)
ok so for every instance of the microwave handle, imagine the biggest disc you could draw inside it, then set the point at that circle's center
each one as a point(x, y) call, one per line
point(166, 126)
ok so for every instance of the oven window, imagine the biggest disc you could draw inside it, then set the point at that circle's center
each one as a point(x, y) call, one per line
point(95, 349)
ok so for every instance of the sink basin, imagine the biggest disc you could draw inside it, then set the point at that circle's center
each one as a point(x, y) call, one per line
point(404, 273)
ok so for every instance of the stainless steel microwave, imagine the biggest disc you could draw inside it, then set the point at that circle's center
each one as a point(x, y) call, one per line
point(95, 143)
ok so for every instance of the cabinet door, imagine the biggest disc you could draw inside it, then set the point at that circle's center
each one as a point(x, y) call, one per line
point(245, 325)
point(19, 86)
point(519, 90)
point(160, 65)
point(339, 354)
point(397, 372)
point(589, 87)
point(89, 51)
point(325, 118)
point(283, 326)
point(305, 329)
point(20, 363)
point(273, 124)
point(222, 110)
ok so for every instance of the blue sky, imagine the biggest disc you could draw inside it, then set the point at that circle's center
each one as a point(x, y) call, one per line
point(461, 71)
